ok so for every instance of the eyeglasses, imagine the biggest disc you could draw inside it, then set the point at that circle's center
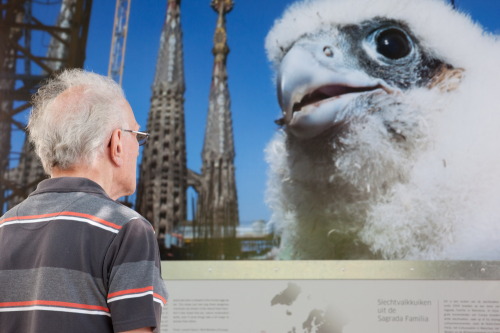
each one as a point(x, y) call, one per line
point(141, 137)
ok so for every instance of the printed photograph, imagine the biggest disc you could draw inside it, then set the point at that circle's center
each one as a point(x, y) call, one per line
point(277, 130)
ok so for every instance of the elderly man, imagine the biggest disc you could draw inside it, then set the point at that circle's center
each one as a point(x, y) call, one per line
point(71, 258)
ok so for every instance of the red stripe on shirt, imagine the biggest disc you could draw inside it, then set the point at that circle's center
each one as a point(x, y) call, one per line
point(55, 303)
point(90, 217)
point(160, 298)
point(130, 291)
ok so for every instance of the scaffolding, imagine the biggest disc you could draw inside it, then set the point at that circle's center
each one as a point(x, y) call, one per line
point(30, 51)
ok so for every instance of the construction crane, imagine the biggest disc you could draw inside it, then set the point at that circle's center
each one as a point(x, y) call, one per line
point(119, 40)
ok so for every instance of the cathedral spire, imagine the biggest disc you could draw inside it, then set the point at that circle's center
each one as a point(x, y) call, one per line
point(217, 202)
point(161, 195)
point(219, 130)
point(170, 65)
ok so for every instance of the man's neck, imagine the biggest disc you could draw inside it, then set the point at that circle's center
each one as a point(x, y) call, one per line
point(97, 175)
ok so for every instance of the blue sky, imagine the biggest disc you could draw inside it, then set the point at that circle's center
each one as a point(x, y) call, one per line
point(253, 99)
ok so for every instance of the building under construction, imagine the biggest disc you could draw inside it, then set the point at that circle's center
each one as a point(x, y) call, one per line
point(164, 176)
point(24, 64)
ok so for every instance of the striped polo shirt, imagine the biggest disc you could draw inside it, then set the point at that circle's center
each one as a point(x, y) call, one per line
point(73, 260)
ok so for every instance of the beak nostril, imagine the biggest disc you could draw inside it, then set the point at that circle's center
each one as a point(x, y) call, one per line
point(327, 50)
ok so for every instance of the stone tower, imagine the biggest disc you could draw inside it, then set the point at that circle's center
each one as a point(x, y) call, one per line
point(161, 195)
point(217, 213)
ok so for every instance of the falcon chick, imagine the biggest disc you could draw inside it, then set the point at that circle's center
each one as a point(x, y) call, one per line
point(390, 126)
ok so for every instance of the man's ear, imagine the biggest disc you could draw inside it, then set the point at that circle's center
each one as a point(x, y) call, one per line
point(116, 147)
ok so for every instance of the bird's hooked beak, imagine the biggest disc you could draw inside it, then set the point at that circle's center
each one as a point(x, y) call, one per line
point(315, 87)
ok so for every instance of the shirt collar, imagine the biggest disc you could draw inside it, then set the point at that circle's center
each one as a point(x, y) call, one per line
point(69, 184)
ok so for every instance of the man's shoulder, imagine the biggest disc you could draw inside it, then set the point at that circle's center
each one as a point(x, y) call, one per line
point(9, 214)
point(106, 209)
point(83, 205)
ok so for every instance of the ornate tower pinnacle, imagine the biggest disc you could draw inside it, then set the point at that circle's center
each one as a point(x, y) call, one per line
point(222, 5)
point(161, 196)
point(220, 49)
point(217, 202)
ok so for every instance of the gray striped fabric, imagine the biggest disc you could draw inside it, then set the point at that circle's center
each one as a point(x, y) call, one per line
point(73, 260)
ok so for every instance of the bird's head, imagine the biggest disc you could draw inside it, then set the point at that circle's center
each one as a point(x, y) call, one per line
point(330, 72)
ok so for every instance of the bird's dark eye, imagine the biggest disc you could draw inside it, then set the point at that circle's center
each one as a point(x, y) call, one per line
point(393, 44)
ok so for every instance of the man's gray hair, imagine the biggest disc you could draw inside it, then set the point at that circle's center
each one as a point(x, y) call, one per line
point(73, 116)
